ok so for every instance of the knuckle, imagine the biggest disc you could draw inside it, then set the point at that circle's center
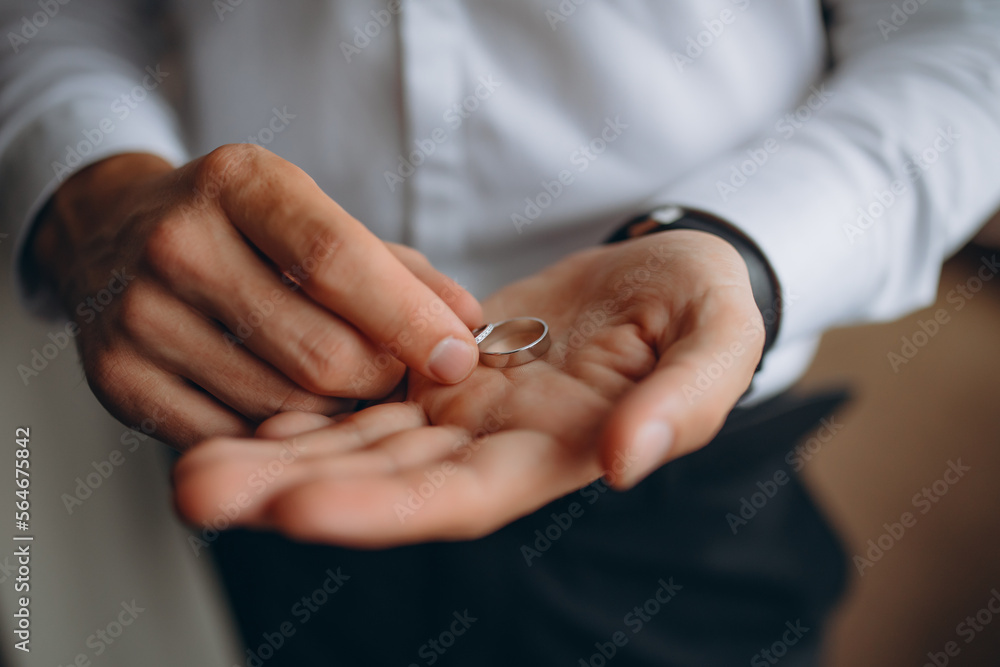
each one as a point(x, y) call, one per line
point(138, 312)
point(110, 374)
point(322, 251)
point(171, 248)
point(320, 360)
point(320, 259)
point(104, 370)
point(215, 169)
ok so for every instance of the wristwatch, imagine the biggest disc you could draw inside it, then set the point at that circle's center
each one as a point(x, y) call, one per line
point(763, 281)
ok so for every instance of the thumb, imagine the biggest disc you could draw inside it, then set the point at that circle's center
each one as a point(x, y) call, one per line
point(698, 379)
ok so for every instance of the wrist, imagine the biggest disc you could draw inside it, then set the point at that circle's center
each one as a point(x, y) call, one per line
point(84, 211)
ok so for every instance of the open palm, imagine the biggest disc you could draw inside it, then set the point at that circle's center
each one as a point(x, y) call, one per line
point(632, 326)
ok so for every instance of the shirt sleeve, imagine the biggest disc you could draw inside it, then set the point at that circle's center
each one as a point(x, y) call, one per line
point(890, 164)
point(79, 82)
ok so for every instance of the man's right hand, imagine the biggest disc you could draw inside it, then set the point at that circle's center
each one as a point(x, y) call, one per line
point(214, 296)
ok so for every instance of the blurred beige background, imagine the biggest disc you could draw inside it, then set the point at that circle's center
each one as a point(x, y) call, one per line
point(123, 543)
point(899, 434)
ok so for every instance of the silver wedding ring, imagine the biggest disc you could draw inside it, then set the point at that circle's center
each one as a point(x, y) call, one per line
point(512, 342)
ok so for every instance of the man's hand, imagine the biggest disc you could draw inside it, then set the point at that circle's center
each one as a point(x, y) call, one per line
point(214, 296)
point(654, 341)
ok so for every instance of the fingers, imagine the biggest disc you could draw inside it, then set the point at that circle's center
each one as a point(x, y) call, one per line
point(454, 295)
point(344, 458)
point(218, 273)
point(161, 405)
point(513, 474)
point(697, 381)
point(221, 471)
point(339, 263)
point(184, 343)
point(411, 483)
point(355, 431)
point(289, 424)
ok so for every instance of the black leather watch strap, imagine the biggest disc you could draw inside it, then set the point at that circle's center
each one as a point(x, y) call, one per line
point(763, 281)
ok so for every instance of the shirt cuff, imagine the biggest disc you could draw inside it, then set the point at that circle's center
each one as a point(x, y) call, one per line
point(798, 212)
point(56, 144)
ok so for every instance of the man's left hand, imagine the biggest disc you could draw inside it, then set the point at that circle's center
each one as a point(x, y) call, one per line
point(653, 342)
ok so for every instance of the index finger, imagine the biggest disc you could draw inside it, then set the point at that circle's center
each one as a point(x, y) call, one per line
point(341, 264)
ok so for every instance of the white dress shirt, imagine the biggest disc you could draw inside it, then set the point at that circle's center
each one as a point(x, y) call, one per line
point(496, 137)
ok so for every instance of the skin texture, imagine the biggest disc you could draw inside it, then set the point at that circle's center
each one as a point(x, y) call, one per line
point(636, 328)
point(201, 251)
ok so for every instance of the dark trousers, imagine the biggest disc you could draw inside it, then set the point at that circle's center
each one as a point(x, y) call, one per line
point(719, 558)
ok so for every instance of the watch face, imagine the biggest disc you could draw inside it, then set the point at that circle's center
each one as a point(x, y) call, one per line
point(667, 214)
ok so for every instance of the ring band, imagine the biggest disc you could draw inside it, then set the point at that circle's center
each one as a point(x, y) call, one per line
point(512, 342)
point(482, 332)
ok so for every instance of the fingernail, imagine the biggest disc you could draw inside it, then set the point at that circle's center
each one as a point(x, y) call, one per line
point(451, 360)
point(649, 450)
